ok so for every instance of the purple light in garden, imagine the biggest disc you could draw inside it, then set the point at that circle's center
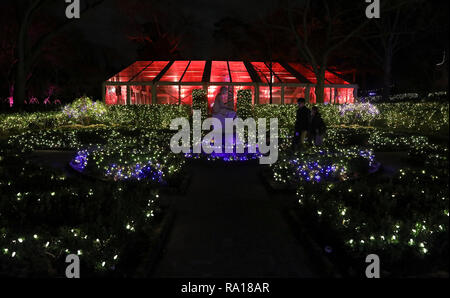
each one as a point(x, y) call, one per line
point(313, 171)
point(79, 162)
point(227, 157)
point(359, 108)
point(138, 172)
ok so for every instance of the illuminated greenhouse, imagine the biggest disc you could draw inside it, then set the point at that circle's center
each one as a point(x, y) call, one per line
point(172, 82)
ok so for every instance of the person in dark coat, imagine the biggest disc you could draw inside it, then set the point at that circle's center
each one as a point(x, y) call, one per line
point(318, 127)
point(301, 123)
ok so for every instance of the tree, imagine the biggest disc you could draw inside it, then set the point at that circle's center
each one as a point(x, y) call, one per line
point(158, 28)
point(319, 28)
point(7, 49)
point(403, 23)
point(155, 41)
point(28, 50)
point(386, 37)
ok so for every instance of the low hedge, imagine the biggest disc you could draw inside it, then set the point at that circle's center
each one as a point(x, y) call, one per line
point(430, 118)
point(47, 215)
point(419, 117)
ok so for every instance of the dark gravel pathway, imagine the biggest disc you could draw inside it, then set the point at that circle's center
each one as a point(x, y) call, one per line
point(228, 226)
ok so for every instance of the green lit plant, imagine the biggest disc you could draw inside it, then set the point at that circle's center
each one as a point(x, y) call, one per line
point(244, 105)
point(47, 215)
point(85, 111)
point(394, 217)
point(200, 102)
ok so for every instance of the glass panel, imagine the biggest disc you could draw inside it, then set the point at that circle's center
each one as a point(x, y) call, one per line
point(213, 91)
point(151, 72)
point(283, 74)
point(219, 72)
point(333, 96)
point(345, 95)
point(264, 95)
point(141, 95)
point(304, 71)
point(264, 72)
point(327, 94)
point(291, 94)
point(194, 73)
point(129, 72)
point(116, 95)
point(175, 71)
point(167, 94)
point(312, 95)
point(186, 94)
point(334, 79)
point(239, 73)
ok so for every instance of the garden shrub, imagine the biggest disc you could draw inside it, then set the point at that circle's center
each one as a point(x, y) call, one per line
point(145, 116)
point(358, 113)
point(47, 215)
point(404, 216)
point(244, 107)
point(200, 102)
point(85, 111)
point(429, 118)
point(286, 115)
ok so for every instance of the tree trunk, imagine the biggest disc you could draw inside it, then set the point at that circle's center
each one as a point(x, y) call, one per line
point(320, 85)
point(20, 84)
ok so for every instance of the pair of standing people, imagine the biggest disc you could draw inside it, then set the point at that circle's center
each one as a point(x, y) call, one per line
point(308, 125)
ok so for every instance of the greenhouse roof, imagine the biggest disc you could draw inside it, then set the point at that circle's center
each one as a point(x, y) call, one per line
point(202, 71)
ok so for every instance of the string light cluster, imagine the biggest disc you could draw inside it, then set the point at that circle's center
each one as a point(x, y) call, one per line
point(401, 212)
point(84, 111)
point(150, 117)
point(123, 162)
point(316, 165)
point(423, 116)
point(66, 215)
point(430, 117)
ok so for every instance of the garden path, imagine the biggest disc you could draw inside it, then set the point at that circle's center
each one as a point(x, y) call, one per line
point(228, 226)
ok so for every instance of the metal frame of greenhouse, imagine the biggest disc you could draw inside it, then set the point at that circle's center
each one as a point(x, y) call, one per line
point(172, 82)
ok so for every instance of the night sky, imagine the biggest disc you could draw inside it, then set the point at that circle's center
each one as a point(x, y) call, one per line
point(109, 20)
point(219, 30)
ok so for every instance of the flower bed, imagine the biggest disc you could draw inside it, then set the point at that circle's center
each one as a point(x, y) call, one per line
point(110, 153)
point(352, 211)
point(47, 215)
point(317, 165)
point(129, 163)
point(379, 139)
point(403, 219)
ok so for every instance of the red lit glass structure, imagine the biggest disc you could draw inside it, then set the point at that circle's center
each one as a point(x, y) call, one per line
point(172, 82)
